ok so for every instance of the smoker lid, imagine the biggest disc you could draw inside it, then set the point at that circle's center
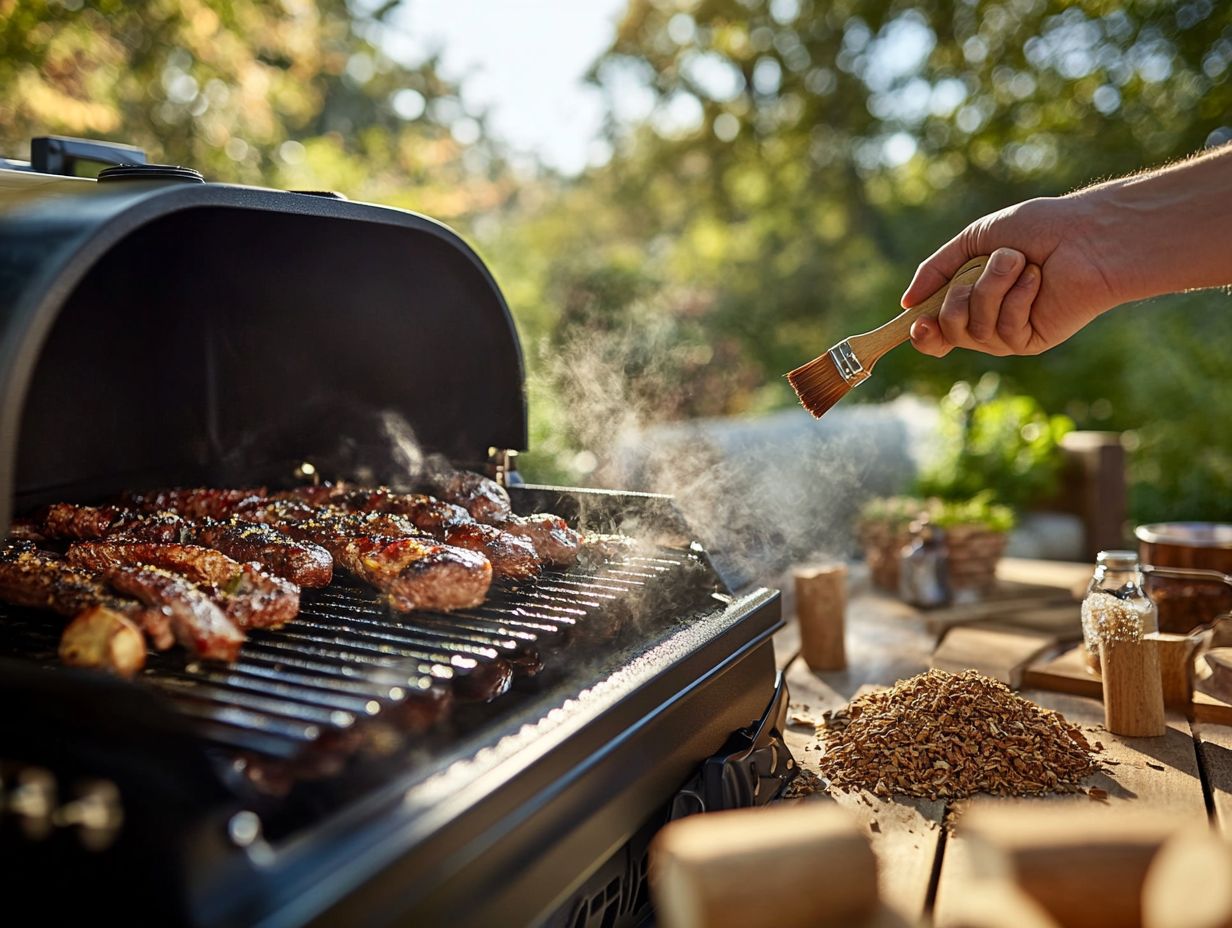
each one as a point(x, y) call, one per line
point(157, 332)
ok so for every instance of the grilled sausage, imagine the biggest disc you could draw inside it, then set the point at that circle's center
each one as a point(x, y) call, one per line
point(197, 623)
point(512, 557)
point(301, 562)
point(250, 597)
point(29, 577)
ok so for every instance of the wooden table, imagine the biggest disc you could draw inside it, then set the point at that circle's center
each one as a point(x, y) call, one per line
point(1187, 772)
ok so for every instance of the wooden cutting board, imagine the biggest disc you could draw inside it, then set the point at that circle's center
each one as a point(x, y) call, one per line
point(1067, 673)
point(1000, 652)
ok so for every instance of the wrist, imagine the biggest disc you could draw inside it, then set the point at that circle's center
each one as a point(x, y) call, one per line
point(1110, 224)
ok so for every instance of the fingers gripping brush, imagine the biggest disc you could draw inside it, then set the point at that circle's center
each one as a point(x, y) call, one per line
point(825, 380)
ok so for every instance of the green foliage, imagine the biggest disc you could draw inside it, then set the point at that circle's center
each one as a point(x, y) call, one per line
point(896, 513)
point(1003, 445)
point(796, 161)
point(981, 510)
point(295, 94)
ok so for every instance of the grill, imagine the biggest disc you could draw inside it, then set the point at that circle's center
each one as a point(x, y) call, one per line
point(357, 766)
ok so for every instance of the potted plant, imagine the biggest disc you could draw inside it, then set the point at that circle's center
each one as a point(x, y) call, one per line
point(995, 454)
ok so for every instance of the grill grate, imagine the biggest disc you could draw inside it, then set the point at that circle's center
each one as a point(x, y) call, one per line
point(307, 696)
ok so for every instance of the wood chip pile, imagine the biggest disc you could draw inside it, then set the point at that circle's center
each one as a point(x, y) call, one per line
point(948, 736)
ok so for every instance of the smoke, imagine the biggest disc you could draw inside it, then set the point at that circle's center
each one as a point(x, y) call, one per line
point(760, 493)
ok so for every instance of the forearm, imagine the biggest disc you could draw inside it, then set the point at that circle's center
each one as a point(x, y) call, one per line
point(1166, 230)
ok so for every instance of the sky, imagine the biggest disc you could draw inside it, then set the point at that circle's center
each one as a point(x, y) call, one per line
point(521, 60)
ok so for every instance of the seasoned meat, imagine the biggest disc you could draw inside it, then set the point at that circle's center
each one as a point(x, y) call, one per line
point(484, 498)
point(551, 535)
point(250, 597)
point(103, 639)
point(197, 623)
point(194, 503)
point(416, 573)
point(512, 557)
point(30, 577)
point(301, 562)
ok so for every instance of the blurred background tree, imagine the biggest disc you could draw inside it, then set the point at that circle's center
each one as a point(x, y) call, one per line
point(778, 169)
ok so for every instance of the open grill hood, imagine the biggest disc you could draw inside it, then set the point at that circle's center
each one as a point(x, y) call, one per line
point(187, 331)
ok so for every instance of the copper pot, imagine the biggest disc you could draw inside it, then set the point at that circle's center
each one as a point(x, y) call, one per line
point(1187, 602)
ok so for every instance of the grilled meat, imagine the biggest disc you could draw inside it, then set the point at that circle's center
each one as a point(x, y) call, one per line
point(193, 503)
point(484, 498)
point(512, 557)
point(488, 502)
point(551, 535)
point(197, 623)
point(250, 597)
point(103, 639)
point(29, 577)
point(301, 562)
point(415, 572)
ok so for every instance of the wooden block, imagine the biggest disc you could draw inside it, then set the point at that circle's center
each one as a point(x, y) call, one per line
point(1212, 709)
point(806, 865)
point(1065, 673)
point(1176, 664)
point(997, 904)
point(1133, 691)
point(1082, 867)
point(1189, 884)
point(1160, 774)
point(1001, 653)
point(821, 601)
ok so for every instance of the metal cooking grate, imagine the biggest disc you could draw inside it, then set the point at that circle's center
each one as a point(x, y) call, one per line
point(348, 671)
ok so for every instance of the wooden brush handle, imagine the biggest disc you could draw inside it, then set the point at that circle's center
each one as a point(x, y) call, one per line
point(870, 346)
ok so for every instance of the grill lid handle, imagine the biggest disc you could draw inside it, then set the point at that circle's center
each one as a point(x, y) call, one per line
point(58, 154)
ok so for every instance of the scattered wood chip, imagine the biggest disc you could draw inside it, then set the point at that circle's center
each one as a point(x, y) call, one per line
point(1155, 766)
point(875, 827)
point(1097, 794)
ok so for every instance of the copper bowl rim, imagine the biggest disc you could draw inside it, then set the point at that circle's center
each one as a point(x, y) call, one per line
point(1186, 534)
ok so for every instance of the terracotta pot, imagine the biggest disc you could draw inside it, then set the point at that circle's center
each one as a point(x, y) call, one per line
point(1185, 604)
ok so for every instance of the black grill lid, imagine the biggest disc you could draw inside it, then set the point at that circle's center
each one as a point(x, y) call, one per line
point(163, 332)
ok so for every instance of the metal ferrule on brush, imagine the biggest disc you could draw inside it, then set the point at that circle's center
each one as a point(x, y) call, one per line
point(847, 364)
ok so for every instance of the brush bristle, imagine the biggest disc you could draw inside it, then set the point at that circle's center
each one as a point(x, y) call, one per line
point(819, 385)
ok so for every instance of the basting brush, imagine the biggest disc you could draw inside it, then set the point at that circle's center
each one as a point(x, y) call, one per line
point(825, 380)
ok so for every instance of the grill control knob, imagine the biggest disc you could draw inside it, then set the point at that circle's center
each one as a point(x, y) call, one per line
point(33, 801)
point(97, 812)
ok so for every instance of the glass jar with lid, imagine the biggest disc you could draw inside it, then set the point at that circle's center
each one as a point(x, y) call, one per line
point(1116, 604)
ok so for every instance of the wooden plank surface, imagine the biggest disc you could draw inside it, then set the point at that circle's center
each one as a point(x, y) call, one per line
point(904, 834)
point(1158, 773)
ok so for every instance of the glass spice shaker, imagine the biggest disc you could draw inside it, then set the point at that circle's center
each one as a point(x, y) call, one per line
point(922, 572)
point(1114, 595)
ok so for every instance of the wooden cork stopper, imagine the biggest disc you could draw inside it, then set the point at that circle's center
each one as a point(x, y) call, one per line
point(1189, 884)
point(821, 601)
point(805, 865)
point(1176, 668)
point(1133, 690)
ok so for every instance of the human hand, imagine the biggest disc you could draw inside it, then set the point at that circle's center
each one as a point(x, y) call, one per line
point(1044, 281)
